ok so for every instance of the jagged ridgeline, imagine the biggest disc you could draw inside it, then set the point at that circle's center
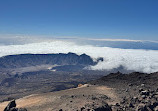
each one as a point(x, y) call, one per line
point(25, 60)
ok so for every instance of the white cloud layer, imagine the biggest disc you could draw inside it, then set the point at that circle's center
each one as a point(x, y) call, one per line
point(130, 59)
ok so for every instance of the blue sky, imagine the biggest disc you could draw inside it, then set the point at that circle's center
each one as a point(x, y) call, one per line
point(114, 19)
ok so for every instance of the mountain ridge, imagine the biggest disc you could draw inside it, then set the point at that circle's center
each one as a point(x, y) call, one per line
point(24, 60)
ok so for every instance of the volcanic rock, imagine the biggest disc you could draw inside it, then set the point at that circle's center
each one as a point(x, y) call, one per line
point(11, 105)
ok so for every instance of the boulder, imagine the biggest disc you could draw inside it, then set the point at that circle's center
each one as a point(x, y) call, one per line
point(10, 106)
point(131, 105)
point(146, 93)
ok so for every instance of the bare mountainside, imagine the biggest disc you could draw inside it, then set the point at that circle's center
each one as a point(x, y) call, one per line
point(137, 91)
point(114, 92)
point(81, 99)
point(26, 74)
point(41, 82)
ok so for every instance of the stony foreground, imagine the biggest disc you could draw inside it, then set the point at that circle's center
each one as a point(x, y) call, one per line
point(83, 98)
point(114, 92)
point(137, 91)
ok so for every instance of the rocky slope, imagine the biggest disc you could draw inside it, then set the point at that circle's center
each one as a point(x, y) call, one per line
point(114, 92)
point(83, 98)
point(16, 86)
point(137, 91)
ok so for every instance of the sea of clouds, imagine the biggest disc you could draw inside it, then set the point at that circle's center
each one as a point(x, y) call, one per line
point(131, 59)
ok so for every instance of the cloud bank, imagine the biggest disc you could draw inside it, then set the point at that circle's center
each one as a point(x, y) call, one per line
point(131, 59)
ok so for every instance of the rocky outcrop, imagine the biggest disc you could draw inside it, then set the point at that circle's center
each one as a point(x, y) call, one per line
point(12, 107)
point(146, 100)
point(137, 91)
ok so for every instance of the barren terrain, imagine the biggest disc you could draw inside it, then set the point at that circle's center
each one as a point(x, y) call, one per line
point(114, 92)
point(70, 100)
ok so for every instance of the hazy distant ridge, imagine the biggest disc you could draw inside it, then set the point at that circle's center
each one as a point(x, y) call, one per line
point(25, 60)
